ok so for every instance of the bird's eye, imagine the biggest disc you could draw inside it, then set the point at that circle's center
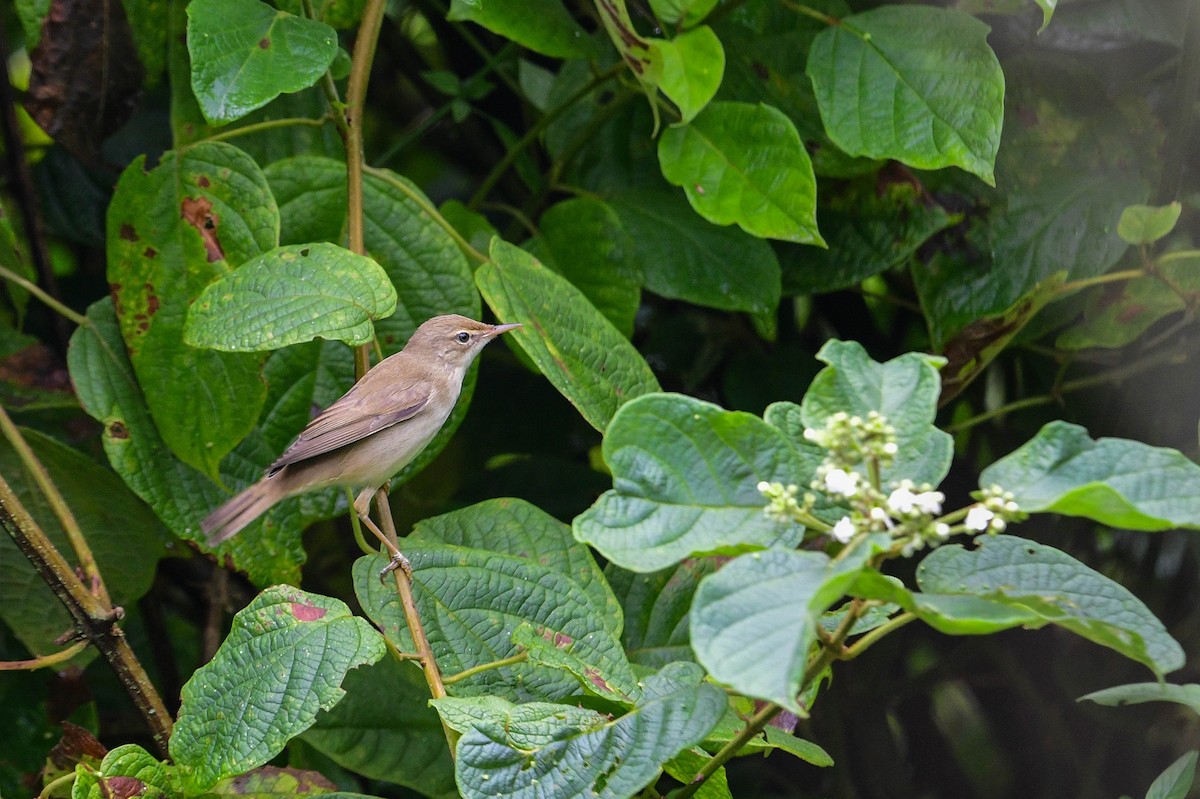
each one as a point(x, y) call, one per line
point(463, 337)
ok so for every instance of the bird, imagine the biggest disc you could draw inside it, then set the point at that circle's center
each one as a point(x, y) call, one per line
point(372, 431)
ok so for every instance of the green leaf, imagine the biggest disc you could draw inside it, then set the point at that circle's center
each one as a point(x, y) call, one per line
point(683, 257)
point(685, 765)
point(1137, 693)
point(1067, 222)
point(245, 53)
point(869, 230)
point(513, 750)
point(905, 390)
point(472, 600)
point(284, 660)
point(515, 527)
point(127, 770)
point(543, 26)
point(575, 347)
point(1119, 483)
point(1058, 589)
point(691, 66)
point(590, 247)
point(125, 538)
point(754, 622)
point(684, 12)
point(1176, 781)
point(745, 163)
point(171, 232)
point(655, 608)
point(426, 266)
point(915, 83)
point(1116, 315)
point(367, 734)
point(290, 295)
point(685, 474)
point(1146, 224)
point(178, 494)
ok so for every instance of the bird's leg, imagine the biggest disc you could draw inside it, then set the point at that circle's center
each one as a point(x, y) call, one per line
point(362, 506)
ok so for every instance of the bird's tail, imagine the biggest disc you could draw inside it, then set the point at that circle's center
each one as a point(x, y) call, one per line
point(229, 519)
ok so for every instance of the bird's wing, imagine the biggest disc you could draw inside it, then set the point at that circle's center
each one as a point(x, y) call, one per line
point(345, 422)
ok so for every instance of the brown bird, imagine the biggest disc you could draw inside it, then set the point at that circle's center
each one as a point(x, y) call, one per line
point(373, 431)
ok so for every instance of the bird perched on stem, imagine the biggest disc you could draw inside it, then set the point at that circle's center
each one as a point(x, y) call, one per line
point(373, 431)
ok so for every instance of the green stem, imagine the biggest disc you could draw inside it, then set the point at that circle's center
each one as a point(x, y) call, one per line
point(52, 787)
point(864, 643)
point(45, 661)
point(532, 135)
point(495, 664)
point(256, 127)
point(421, 200)
point(47, 300)
point(829, 652)
point(1099, 280)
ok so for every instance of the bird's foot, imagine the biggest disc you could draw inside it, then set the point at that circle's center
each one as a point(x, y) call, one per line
point(398, 561)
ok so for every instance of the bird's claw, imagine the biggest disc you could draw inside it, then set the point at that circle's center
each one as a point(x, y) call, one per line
point(398, 561)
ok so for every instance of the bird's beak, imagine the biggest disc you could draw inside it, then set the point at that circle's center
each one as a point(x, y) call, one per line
point(498, 329)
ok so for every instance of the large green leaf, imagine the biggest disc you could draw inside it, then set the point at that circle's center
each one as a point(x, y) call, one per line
point(283, 661)
point(904, 390)
point(590, 247)
point(385, 729)
point(473, 600)
point(754, 622)
point(915, 83)
point(1066, 222)
point(684, 482)
point(522, 751)
point(426, 266)
point(125, 538)
point(745, 163)
point(543, 26)
point(171, 232)
point(683, 257)
point(290, 295)
point(690, 69)
point(180, 495)
point(515, 527)
point(1058, 589)
point(244, 53)
point(574, 346)
point(1119, 483)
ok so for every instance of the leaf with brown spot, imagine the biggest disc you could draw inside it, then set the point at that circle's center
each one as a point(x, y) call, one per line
point(197, 212)
point(976, 345)
point(188, 235)
point(86, 78)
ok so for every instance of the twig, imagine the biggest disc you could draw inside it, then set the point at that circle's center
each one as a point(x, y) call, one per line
point(482, 667)
point(95, 621)
point(44, 661)
point(45, 297)
point(62, 510)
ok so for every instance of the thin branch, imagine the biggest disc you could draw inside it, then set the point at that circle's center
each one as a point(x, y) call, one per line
point(495, 664)
point(44, 661)
point(433, 676)
point(45, 297)
point(270, 124)
point(58, 504)
point(864, 643)
point(95, 621)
